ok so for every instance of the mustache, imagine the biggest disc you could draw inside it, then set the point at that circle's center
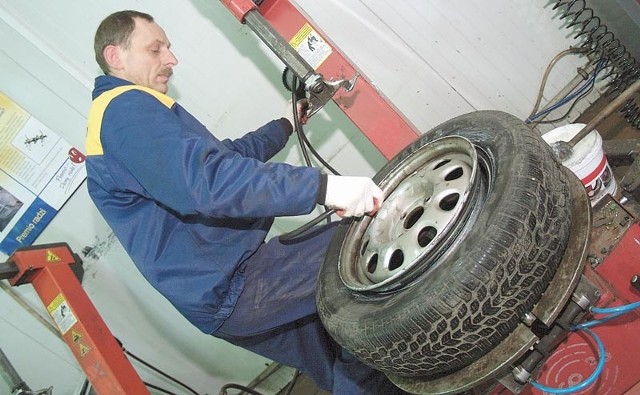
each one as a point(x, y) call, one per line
point(166, 72)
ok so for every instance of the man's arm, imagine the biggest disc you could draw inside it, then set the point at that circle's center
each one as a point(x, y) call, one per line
point(179, 164)
point(263, 143)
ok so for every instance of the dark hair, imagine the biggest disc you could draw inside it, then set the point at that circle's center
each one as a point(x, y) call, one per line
point(115, 29)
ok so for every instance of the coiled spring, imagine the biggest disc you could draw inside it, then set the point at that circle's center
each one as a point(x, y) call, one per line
point(601, 43)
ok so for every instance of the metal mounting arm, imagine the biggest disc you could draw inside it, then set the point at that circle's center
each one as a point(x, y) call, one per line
point(276, 21)
point(320, 90)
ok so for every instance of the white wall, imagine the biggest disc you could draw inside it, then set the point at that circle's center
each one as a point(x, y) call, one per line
point(434, 60)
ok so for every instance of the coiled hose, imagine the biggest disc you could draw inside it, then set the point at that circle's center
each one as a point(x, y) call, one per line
point(600, 42)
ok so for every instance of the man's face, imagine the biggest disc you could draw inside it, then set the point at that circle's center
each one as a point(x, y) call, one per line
point(148, 61)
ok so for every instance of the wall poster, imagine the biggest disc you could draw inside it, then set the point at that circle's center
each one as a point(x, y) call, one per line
point(39, 172)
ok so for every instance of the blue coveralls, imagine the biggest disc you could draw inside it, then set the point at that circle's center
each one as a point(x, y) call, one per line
point(193, 212)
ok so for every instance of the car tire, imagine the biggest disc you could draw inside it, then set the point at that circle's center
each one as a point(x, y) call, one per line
point(464, 297)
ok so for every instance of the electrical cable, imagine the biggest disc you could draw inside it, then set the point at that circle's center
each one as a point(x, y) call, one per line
point(573, 105)
point(302, 138)
point(547, 71)
point(155, 387)
point(300, 230)
point(612, 312)
point(86, 387)
point(297, 126)
point(558, 104)
point(160, 372)
point(618, 309)
point(591, 80)
point(590, 380)
point(304, 143)
point(317, 155)
point(590, 83)
point(223, 390)
point(288, 389)
point(592, 323)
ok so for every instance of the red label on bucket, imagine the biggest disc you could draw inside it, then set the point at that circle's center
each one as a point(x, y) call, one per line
point(598, 179)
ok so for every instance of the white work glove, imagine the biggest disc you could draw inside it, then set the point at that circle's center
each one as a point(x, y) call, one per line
point(302, 105)
point(352, 196)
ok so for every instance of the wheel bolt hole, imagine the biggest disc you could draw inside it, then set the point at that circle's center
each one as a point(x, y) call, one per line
point(454, 174)
point(397, 259)
point(442, 163)
point(413, 217)
point(364, 247)
point(372, 265)
point(426, 235)
point(449, 202)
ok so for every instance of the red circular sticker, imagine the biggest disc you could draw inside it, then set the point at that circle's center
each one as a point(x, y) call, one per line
point(76, 156)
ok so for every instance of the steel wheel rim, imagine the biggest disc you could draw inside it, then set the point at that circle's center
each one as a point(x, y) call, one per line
point(426, 194)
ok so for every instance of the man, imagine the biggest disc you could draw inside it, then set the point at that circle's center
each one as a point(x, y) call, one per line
point(193, 211)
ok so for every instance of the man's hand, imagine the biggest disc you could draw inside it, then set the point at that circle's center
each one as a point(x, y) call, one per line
point(302, 105)
point(353, 196)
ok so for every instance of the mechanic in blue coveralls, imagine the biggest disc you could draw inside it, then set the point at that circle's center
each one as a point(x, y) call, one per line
point(193, 211)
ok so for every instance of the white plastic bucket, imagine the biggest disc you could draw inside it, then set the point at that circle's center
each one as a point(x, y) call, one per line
point(587, 161)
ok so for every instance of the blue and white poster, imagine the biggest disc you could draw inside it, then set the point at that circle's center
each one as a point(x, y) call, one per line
point(39, 171)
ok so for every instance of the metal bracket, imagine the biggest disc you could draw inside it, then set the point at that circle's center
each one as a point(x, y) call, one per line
point(321, 91)
point(585, 295)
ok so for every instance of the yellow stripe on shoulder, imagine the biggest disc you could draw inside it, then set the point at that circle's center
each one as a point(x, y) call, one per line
point(98, 107)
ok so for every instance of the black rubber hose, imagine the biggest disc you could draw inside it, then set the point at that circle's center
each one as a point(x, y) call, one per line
point(304, 143)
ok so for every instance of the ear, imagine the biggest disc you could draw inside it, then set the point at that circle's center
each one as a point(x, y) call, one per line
point(112, 54)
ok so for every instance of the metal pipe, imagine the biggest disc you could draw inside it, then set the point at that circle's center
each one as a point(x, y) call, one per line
point(10, 375)
point(608, 110)
point(25, 305)
point(564, 149)
point(278, 45)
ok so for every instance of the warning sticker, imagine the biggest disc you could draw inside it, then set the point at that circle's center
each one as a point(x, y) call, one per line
point(75, 336)
point(84, 349)
point(61, 314)
point(51, 257)
point(308, 43)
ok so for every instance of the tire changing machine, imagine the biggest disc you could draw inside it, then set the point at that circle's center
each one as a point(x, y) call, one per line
point(599, 267)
